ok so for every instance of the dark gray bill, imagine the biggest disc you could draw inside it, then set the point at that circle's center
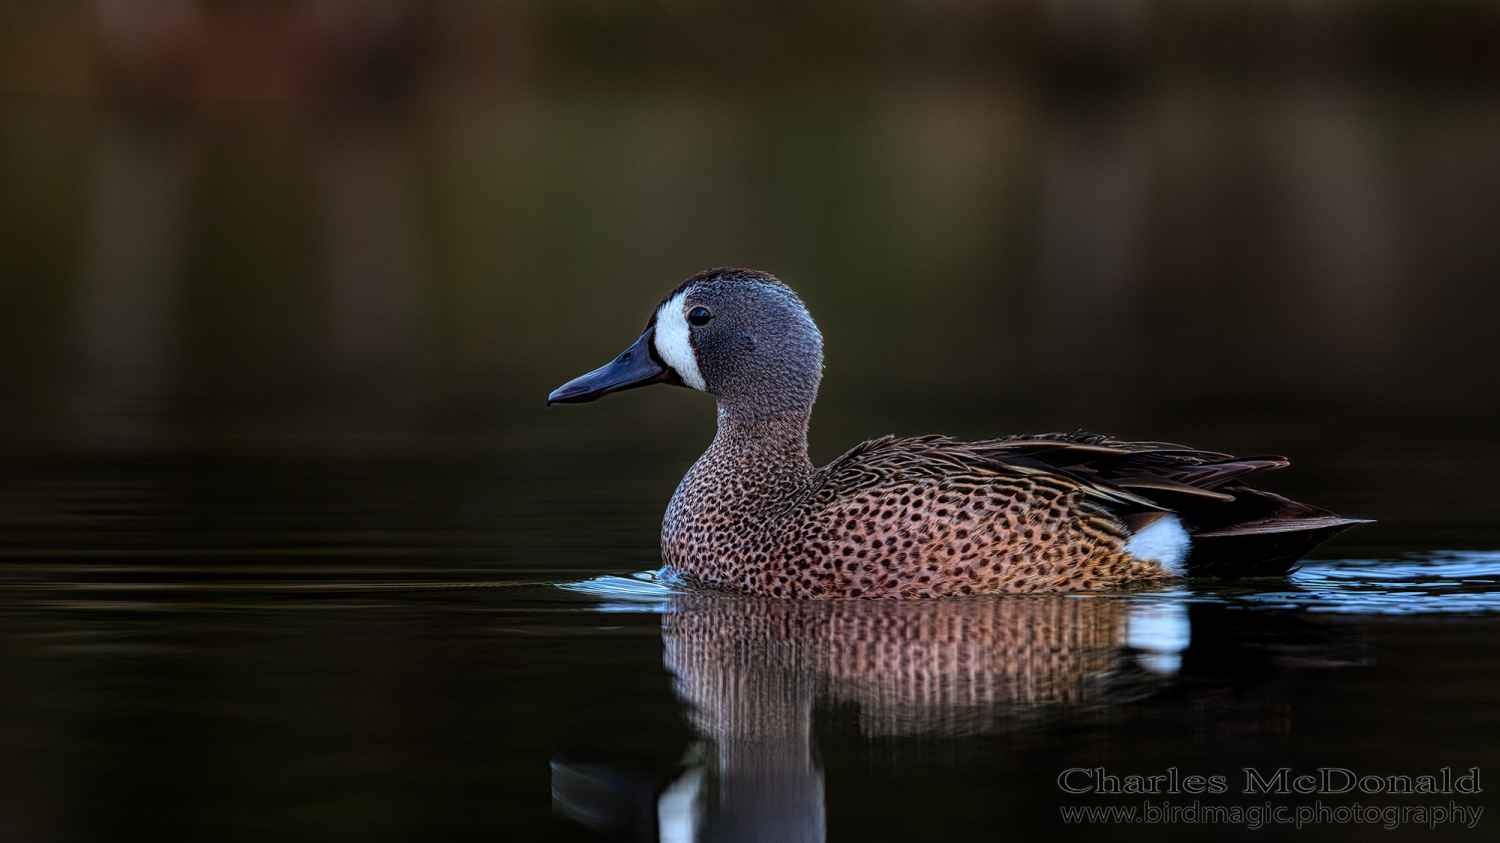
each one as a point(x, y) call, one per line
point(638, 366)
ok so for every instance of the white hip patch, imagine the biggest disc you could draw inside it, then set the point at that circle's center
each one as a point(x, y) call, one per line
point(1164, 540)
point(674, 343)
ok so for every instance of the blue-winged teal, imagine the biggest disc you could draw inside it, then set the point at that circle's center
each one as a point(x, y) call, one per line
point(923, 517)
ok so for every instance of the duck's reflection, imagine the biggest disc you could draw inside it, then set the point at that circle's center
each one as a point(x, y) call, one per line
point(750, 671)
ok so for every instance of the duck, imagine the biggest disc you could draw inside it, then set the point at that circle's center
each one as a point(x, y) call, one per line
point(925, 516)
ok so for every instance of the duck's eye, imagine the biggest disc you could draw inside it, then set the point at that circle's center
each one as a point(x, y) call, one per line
point(699, 316)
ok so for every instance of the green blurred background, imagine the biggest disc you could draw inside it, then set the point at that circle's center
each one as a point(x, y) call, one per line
point(357, 234)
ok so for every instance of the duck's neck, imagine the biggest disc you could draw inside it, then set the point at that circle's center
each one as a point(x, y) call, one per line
point(758, 462)
point(729, 498)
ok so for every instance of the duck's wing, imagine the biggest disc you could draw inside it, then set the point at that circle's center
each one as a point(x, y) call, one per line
point(1161, 471)
point(1236, 530)
point(878, 461)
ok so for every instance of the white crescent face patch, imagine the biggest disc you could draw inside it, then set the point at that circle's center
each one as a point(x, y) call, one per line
point(673, 342)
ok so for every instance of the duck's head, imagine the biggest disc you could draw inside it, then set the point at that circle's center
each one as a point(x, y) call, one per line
point(737, 334)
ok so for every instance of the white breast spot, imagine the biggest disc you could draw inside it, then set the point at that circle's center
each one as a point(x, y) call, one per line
point(674, 343)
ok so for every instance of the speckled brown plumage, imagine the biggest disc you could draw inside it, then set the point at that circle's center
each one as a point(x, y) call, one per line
point(922, 517)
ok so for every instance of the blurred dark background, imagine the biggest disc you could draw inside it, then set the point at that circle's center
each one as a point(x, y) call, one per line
point(284, 285)
point(310, 268)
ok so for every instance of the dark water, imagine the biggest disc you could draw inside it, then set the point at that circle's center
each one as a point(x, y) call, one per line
point(199, 647)
point(296, 692)
point(290, 548)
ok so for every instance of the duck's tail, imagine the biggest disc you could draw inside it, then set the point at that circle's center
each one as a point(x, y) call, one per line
point(1187, 508)
point(1258, 534)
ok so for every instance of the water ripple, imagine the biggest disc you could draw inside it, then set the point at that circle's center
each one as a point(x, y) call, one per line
point(647, 591)
point(1445, 582)
point(1441, 582)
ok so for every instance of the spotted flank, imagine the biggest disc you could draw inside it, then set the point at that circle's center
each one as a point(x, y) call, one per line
point(926, 516)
